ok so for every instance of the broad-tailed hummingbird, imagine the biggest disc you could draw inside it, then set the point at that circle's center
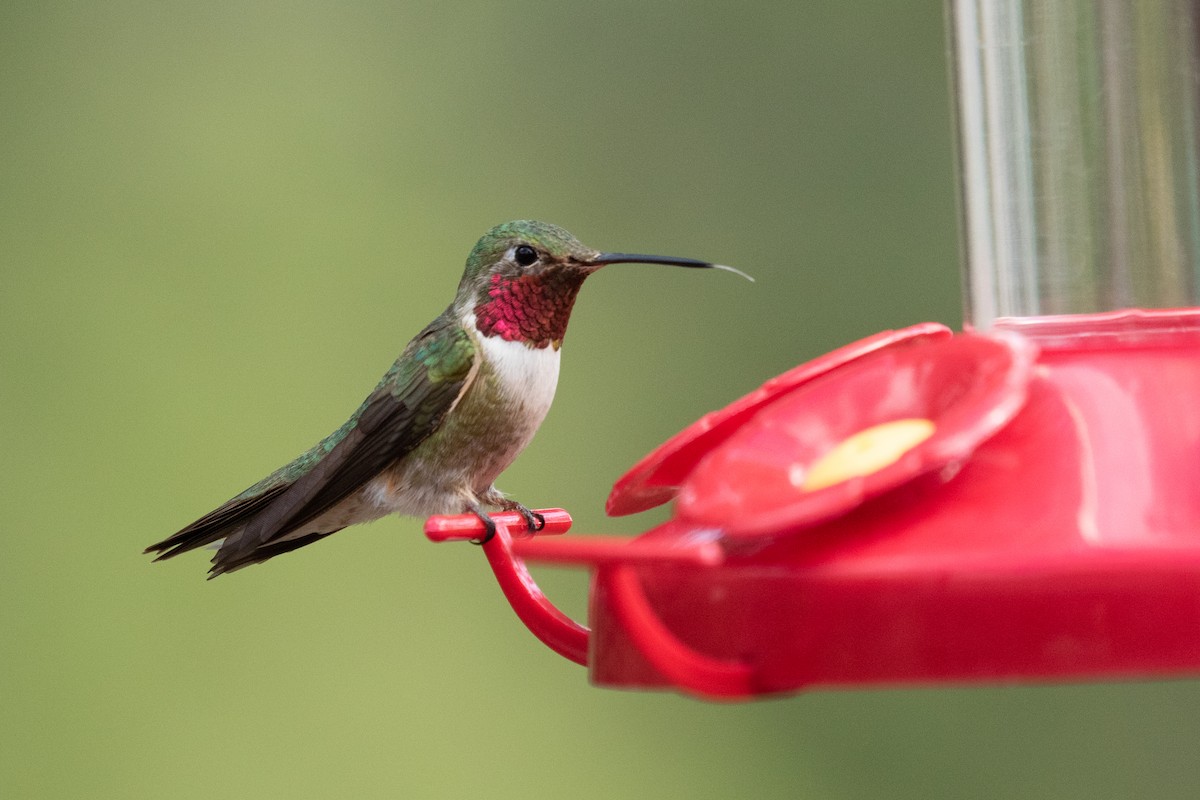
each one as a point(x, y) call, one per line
point(455, 409)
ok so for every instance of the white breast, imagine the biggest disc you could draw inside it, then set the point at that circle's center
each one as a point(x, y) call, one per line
point(528, 375)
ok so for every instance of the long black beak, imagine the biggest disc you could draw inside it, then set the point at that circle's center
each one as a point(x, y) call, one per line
point(637, 258)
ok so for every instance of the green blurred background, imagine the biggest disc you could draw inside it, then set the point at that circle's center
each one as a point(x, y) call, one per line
point(219, 223)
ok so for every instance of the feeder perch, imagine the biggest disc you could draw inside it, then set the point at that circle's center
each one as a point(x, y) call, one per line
point(1016, 502)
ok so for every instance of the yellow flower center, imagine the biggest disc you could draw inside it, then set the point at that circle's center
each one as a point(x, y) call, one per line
point(867, 451)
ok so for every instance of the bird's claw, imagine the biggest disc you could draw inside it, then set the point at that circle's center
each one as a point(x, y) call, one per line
point(489, 527)
point(534, 522)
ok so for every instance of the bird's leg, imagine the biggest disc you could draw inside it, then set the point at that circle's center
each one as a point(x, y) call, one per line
point(533, 520)
point(488, 525)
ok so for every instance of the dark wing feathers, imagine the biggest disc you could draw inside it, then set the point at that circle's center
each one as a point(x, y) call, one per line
point(383, 434)
point(407, 406)
point(215, 524)
point(267, 551)
point(389, 428)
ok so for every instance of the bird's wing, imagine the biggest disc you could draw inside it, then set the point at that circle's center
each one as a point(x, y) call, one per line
point(408, 405)
point(222, 521)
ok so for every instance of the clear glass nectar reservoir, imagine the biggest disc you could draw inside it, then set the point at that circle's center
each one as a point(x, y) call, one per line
point(1078, 155)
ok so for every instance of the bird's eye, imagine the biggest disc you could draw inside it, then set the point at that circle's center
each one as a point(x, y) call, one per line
point(525, 255)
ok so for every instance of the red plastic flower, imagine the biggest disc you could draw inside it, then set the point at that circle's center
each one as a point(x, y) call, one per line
point(820, 440)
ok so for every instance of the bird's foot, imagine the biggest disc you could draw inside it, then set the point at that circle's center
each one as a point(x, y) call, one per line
point(489, 526)
point(534, 521)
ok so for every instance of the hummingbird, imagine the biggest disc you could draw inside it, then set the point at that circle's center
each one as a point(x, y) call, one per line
point(463, 399)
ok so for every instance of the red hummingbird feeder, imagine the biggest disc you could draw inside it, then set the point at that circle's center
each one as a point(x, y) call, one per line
point(1019, 501)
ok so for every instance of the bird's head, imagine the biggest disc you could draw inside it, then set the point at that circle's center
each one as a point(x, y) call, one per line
point(522, 278)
